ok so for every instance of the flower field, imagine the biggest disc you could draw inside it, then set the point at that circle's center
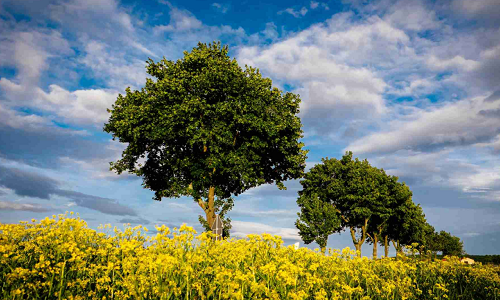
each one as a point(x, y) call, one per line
point(61, 258)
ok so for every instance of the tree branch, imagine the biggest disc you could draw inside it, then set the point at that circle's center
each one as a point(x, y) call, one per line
point(201, 203)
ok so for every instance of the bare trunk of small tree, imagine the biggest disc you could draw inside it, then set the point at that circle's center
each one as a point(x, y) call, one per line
point(386, 246)
point(374, 238)
point(397, 246)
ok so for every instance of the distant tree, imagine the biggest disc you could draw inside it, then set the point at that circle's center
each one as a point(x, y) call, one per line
point(426, 241)
point(451, 245)
point(407, 225)
point(208, 130)
point(382, 211)
point(399, 195)
point(433, 241)
point(317, 220)
point(351, 187)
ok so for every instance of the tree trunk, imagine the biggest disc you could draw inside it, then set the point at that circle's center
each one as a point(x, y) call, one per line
point(323, 249)
point(359, 242)
point(374, 238)
point(210, 210)
point(397, 246)
point(375, 242)
point(386, 246)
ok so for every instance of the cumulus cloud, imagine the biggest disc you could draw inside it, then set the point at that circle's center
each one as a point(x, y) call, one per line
point(293, 12)
point(80, 107)
point(29, 51)
point(452, 124)
point(327, 70)
point(221, 7)
point(412, 15)
point(485, 11)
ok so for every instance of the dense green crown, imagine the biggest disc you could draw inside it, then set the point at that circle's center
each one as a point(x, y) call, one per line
point(353, 187)
point(206, 122)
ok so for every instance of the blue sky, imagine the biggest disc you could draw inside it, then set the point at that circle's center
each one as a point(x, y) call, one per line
point(410, 85)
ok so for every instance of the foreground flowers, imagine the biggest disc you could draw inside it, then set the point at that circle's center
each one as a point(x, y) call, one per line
point(61, 258)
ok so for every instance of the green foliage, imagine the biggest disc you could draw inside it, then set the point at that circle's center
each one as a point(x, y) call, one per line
point(317, 220)
point(486, 259)
point(352, 187)
point(450, 245)
point(407, 222)
point(205, 123)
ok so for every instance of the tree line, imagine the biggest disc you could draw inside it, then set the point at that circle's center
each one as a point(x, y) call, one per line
point(207, 129)
point(351, 195)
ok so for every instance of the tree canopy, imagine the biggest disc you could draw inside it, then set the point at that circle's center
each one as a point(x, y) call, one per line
point(450, 244)
point(317, 220)
point(352, 187)
point(206, 128)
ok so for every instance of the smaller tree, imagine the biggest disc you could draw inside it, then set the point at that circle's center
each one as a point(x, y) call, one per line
point(352, 187)
point(382, 211)
point(317, 220)
point(407, 225)
point(433, 240)
point(398, 205)
point(451, 245)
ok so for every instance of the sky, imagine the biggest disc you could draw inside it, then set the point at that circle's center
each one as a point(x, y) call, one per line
point(412, 86)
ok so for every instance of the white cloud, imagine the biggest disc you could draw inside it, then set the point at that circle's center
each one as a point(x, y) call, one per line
point(81, 106)
point(293, 12)
point(84, 107)
point(328, 65)
point(435, 63)
point(314, 4)
point(180, 20)
point(29, 51)
point(223, 8)
point(74, 12)
point(412, 15)
point(452, 124)
point(33, 123)
point(16, 120)
point(185, 30)
point(484, 10)
point(452, 169)
point(9, 205)
point(106, 63)
point(242, 229)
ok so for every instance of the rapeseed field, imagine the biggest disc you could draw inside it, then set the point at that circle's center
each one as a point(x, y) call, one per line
point(61, 258)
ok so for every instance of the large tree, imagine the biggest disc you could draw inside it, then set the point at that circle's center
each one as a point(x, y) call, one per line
point(352, 187)
point(206, 129)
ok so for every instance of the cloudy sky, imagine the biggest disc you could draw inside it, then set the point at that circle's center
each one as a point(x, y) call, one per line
point(413, 86)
